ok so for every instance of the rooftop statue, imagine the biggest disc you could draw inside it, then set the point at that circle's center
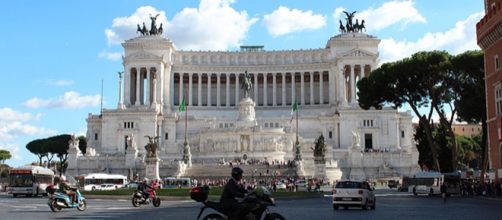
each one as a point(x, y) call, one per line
point(153, 27)
point(349, 25)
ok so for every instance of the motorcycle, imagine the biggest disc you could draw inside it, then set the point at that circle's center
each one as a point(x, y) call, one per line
point(59, 200)
point(256, 203)
point(138, 198)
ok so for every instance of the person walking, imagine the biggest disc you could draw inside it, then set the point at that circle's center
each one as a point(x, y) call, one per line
point(443, 192)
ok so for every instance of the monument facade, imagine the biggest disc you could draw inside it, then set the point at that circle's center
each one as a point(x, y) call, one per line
point(238, 105)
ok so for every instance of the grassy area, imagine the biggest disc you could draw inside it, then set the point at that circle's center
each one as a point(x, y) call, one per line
point(215, 192)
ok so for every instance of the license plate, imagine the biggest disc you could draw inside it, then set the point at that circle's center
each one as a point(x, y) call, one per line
point(347, 199)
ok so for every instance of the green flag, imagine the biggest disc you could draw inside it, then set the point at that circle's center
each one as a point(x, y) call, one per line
point(294, 108)
point(182, 105)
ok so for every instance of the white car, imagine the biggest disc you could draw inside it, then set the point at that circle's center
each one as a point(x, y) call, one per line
point(280, 185)
point(353, 193)
point(107, 187)
point(301, 186)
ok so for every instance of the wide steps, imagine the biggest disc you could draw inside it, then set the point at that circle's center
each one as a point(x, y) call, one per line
point(201, 170)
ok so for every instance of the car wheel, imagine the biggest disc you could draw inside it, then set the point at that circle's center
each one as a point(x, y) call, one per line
point(365, 206)
point(335, 207)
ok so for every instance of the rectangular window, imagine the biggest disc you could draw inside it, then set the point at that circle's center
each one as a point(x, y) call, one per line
point(402, 134)
point(95, 136)
point(498, 99)
point(497, 62)
point(330, 134)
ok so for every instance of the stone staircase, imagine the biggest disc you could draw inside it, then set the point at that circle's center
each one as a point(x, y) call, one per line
point(250, 171)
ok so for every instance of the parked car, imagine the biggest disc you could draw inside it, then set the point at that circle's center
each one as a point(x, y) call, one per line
point(353, 193)
point(301, 185)
point(108, 187)
point(280, 185)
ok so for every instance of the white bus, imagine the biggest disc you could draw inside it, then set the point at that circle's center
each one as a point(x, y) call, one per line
point(93, 181)
point(29, 180)
point(425, 183)
point(173, 182)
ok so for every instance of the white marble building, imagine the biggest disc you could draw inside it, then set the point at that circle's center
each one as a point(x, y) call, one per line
point(157, 76)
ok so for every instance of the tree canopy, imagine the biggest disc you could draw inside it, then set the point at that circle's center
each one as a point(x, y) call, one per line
point(429, 83)
point(4, 155)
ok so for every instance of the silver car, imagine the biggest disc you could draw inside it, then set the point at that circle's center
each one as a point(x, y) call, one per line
point(353, 193)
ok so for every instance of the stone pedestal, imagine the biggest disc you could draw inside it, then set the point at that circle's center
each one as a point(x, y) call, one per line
point(333, 172)
point(319, 167)
point(299, 168)
point(356, 165)
point(152, 168)
point(247, 114)
point(187, 156)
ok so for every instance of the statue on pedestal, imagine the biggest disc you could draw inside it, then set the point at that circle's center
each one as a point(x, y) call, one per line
point(151, 147)
point(320, 147)
point(246, 84)
point(356, 140)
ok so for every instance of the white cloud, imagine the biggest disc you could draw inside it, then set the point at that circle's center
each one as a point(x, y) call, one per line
point(15, 124)
point(338, 13)
point(458, 39)
point(124, 28)
point(70, 99)
point(285, 20)
point(60, 83)
point(113, 56)
point(388, 14)
point(214, 25)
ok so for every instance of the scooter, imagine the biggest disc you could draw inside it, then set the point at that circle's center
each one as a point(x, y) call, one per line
point(58, 201)
point(139, 199)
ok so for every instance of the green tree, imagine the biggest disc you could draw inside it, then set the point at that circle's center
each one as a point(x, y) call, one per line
point(82, 144)
point(416, 81)
point(472, 103)
point(38, 148)
point(4, 155)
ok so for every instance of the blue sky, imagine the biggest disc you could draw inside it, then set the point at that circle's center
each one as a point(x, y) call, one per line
point(54, 54)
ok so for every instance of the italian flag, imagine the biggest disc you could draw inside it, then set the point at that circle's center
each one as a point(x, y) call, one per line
point(294, 108)
point(181, 109)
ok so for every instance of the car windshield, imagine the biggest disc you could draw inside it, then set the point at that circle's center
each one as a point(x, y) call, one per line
point(349, 185)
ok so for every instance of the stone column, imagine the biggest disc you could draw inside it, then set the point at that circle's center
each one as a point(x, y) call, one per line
point(302, 88)
point(274, 90)
point(352, 85)
point(138, 87)
point(293, 88)
point(199, 92)
point(127, 86)
point(265, 90)
point(218, 89)
point(181, 88)
point(190, 92)
point(120, 105)
point(283, 89)
point(312, 88)
point(256, 87)
point(227, 92)
point(342, 96)
point(154, 87)
point(237, 88)
point(148, 91)
point(321, 88)
point(209, 90)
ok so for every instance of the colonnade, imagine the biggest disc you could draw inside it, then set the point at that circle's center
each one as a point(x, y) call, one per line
point(269, 89)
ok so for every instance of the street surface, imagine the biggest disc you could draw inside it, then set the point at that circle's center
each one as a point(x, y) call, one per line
point(390, 205)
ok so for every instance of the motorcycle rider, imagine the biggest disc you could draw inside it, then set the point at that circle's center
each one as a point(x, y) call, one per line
point(232, 190)
point(143, 188)
point(65, 187)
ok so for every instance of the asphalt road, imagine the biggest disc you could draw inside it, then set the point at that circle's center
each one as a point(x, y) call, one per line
point(390, 205)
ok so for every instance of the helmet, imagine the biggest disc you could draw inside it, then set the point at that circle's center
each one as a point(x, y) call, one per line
point(237, 173)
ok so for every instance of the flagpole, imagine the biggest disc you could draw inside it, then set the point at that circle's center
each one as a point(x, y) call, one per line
point(296, 102)
point(186, 121)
